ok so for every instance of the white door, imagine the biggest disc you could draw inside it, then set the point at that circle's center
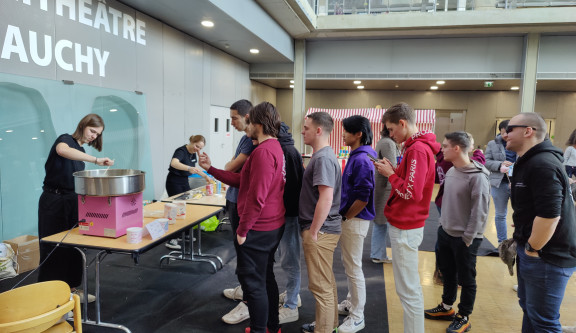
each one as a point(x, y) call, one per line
point(220, 143)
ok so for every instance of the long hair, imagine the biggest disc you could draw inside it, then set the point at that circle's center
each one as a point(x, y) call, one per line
point(90, 120)
point(265, 114)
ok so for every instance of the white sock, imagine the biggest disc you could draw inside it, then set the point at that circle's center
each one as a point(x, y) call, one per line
point(446, 306)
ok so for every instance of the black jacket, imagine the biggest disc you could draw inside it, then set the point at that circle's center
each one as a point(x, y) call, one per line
point(294, 171)
point(540, 187)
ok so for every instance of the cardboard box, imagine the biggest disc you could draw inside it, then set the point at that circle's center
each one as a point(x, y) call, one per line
point(27, 252)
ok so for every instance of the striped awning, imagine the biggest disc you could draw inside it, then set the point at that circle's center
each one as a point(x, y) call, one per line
point(425, 120)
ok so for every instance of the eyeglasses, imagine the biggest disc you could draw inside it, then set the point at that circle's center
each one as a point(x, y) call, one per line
point(510, 128)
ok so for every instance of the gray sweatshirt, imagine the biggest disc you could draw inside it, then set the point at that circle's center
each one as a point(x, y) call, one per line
point(466, 201)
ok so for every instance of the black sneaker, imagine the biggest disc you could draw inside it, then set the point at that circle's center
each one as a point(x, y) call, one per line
point(459, 324)
point(439, 313)
point(309, 328)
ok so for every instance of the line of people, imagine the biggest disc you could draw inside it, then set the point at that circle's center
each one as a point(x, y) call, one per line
point(281, 207)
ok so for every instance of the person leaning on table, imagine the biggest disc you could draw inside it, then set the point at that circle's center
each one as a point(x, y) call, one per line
point(58, 205)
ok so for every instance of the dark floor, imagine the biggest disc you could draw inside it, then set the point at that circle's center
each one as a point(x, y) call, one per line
point(187, 297)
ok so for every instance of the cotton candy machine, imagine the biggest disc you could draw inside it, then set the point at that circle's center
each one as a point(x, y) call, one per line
point(109, 201)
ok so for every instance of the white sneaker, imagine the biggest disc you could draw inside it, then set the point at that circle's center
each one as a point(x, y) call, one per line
point(287, 315)
point(386, 260)
point(237, 315)
point(173, 244)
point(350, 325)
point(515, 288)
point(235, 294)
point(344, 307)
point(282, 299)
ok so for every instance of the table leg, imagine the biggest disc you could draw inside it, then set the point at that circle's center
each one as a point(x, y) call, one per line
point(206, 255)
point(187, 255)
point(85, 319)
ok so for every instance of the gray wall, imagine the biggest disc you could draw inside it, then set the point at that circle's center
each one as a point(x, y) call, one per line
point(179, 75)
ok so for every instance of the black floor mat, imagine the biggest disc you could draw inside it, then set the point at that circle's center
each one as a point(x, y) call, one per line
point(187, 297)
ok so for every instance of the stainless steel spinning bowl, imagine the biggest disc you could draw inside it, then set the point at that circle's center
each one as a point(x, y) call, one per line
point(109, 182)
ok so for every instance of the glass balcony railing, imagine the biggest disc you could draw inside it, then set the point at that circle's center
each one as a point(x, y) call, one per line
point(359, 7)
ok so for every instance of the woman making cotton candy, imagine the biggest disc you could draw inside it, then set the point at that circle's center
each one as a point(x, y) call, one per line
point(183, 164)
point(58, 206)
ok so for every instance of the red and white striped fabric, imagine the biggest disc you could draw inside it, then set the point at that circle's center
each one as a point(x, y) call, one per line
point(425, 120)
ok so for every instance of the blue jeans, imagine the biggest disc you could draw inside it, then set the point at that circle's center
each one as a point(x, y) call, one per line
point(378, 245)
point(289, 257)
point(406, 278)
point(501, 195)
point(541, 288)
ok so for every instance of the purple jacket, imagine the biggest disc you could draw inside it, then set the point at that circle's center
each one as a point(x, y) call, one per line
point(358, 182)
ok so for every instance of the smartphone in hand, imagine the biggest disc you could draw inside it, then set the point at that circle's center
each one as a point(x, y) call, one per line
point(373, 158)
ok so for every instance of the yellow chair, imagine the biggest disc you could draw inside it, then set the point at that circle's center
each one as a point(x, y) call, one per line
point(39, 307)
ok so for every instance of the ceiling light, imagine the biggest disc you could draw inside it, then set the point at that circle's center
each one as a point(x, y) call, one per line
point(440, 82)
point(434, 88)
point(207, 24)
point(34, 138)
point(254, 51)
point(515, 88)
point(9, 131)
point(113, 110)
point(396, 86)
point(292, 81)
point(41, 131)
point(291, 86)
point(360, 87)
point(357, 82)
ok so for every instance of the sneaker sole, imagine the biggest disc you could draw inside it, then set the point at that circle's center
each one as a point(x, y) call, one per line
point(447, 318)
point(357, 329)
point(234, 322)
point(448, 330)
point(289, 320)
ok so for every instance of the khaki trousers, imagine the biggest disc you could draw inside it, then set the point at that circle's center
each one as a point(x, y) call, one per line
point(321, 281)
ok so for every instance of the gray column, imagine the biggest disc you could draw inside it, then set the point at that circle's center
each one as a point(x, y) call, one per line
point(299, 92)
point(529, 71)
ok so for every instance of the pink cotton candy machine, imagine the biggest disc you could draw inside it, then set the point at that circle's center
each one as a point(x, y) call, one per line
point(109, 201)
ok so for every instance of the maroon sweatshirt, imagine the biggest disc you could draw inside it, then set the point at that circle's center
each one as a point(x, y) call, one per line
point(261, 188)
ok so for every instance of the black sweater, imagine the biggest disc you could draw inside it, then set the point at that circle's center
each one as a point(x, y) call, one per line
point(540, 187)
point(294, 171)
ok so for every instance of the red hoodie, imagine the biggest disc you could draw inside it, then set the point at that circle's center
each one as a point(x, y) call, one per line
point(413, 182)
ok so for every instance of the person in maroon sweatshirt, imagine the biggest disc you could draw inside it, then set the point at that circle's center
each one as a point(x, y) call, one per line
point(408, 206)
point(261, 211)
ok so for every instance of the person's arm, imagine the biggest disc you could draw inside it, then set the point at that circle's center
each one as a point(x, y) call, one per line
point(176, 164)
point(66, 151)
point(236, 164)
point(325, 196)
point(480, 199)
point(227, 177)
point(413, 186)
point(542, 231)
point(362, 186)
point(548, 194)
point(492, 164)
point(262, 172)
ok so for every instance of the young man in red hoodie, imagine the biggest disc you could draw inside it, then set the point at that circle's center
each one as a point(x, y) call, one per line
point(261, 212)
point(408, 206)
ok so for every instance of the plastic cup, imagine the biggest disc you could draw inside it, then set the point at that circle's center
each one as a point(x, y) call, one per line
point(181, 207)
point(134, 235)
